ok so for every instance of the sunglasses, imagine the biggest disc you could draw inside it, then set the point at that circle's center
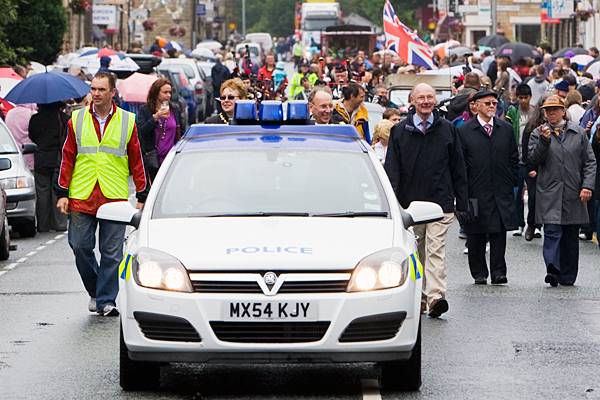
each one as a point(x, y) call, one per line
point(489, 103)
point(230, 97)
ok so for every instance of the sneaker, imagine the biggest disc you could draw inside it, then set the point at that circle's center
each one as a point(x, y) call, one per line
point(466, 250)
point(538, 233)
point(518, 232)
point(92, 304)
point(109, 311)
point(585, 236)
point(487, 247)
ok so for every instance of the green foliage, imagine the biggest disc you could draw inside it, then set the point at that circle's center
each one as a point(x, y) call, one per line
point(373, 10)
point(8, 14)
point(37, 33)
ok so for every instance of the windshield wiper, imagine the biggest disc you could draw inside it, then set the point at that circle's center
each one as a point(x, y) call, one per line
point(351, 214)
point(259, 214)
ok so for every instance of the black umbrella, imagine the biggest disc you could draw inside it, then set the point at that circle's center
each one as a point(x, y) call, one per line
point(574, 50)
point(517, 51)
point(493, 41)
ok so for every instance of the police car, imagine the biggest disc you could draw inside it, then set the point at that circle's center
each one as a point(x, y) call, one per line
point(271, 241)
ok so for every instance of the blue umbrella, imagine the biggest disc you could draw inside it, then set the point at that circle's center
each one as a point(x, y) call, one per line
point(47, 87)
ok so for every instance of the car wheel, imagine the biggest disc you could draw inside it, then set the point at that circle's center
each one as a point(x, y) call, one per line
point(403, 375)
point(136, 375)
point(4, 242)
point(27, 228)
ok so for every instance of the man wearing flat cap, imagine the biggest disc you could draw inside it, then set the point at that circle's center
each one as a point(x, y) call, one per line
point(491, 158)
point(562, 89)
point(566, 173)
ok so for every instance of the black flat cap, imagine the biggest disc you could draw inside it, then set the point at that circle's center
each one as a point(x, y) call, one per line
point(484, 93)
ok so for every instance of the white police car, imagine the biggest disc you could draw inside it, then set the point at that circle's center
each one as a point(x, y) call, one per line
point(271, 243)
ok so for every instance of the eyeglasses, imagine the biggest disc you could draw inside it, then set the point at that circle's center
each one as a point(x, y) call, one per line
point(489, 103)
point(229, 97)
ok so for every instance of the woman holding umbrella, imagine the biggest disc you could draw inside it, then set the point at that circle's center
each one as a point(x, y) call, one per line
point(159, 125)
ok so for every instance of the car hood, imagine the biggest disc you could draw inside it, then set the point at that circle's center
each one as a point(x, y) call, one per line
point(270, 243)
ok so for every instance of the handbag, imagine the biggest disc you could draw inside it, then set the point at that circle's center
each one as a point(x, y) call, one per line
point(151, 160)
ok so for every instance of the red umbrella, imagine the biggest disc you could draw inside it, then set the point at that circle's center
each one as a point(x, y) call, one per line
point(135, 88)
point(7, 72)
point(106, 52)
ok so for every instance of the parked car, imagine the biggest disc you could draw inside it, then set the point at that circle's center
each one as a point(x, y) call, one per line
point(206, 73)
point(176, 95)
point(262, 38)
point(197, 78)
point(18, 183)
point(146, 62)
point(5, 164)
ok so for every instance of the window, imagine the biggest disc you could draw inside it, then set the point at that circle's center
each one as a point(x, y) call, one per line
point(530, 34)
point(7, 144)
point(270, 181)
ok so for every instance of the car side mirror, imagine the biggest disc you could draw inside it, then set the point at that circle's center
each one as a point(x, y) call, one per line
point(121, 212)
point(5, 164)
point(29, 148)
point(421, 212)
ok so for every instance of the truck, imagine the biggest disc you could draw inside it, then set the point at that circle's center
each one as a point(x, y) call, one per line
point(315, 17)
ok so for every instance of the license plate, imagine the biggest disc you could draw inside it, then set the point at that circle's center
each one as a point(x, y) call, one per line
point(280, 311)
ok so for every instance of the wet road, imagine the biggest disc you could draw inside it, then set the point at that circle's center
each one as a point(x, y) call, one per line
point(522, 341)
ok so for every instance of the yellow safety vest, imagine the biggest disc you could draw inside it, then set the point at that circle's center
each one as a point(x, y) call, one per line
point(104, 162)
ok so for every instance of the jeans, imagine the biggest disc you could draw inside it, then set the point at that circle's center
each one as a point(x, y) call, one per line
point(561, 251)
point(531, 188)
point(100, 280)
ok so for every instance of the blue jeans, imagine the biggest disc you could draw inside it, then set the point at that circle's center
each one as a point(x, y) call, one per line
point(561, 251)
point(100, 281)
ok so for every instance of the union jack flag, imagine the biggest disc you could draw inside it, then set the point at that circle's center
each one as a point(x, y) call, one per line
point(403, 41)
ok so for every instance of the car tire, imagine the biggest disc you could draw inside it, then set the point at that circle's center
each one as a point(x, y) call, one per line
point(403, 375)
point(4, 242)
point(27, 229)
point(136, 375)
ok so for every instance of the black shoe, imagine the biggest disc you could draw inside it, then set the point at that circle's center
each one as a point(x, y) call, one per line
point(529, 233)
point(499, 280)
point(481, 281)
point(551, 279)
point(438, 307)
point(566, 283)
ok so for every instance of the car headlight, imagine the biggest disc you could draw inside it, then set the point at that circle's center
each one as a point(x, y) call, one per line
point(157, 270)
point(20, 182)
point(381, 270)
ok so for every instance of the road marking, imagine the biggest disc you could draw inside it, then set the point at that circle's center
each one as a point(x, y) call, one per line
point(22, 259)
point(370, 389)
point(51, 241)
point(10, 266)
point(31, 253)
point(40, 248)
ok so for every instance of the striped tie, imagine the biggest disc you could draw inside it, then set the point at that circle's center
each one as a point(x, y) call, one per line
point(488, 129)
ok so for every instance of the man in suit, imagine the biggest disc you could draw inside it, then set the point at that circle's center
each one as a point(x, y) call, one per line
point(491, 157)
point(425, 162)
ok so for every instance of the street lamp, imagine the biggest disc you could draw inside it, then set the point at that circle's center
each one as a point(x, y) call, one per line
point(244, 18)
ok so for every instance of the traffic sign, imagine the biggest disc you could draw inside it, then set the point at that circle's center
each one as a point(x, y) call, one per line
point(200, 9)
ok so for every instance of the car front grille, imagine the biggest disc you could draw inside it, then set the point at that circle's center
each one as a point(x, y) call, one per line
point(166, 327)
point(373, 327)
point(269, 332)
point(287, 287)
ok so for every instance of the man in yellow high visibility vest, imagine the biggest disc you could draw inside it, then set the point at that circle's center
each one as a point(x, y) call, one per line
point(101, 151)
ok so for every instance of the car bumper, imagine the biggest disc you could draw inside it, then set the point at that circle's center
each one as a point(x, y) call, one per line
point(202, 310)
point(20, 203)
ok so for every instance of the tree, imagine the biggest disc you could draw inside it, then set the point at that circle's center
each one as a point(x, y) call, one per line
point(373, 10)
point(273, 16)
point(37, 32)
point(7, 15)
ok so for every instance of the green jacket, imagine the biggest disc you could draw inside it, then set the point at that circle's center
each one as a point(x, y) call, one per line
point(512, 116)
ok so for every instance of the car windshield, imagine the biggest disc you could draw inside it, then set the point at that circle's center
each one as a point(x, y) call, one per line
point(7, 144)
point(271, 182)
point(316, 24)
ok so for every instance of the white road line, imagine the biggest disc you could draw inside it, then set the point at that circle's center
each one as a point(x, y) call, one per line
point(31, 253)
point(10, 266)
point(3, 272)
point(40, 248)
point(51, 241)
point(22, 259)
point(370, 389)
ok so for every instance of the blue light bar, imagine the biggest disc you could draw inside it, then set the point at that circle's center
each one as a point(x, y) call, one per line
point(245, 112)
point(297, 112)
point(270, 112)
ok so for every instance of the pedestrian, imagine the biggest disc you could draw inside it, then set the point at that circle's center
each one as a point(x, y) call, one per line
point(231, 91)
point(265, 73)
point(296, 85)
point(424, 162)
point(596, 148)
point(381, 97)
point(219, 73)
point(491, 158)
point(307, 89)
point(393, 114)
point(320, 102)
point(159, 125)
point(533, 229)
point(48, 130)
point(573, 105)
point(519, 115)
point(101, 151)
point(381, 137)
point(539, 84)
point(17, 121)
point(352, 111)
point(566, 167)
point(502, 82)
